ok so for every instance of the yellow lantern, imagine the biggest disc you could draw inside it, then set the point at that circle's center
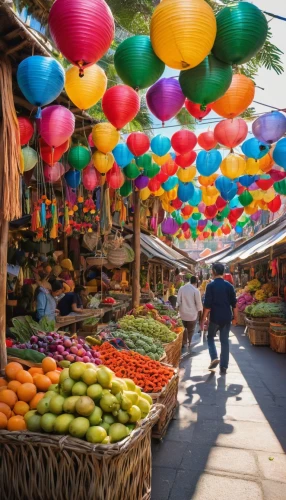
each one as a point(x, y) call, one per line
point(172, 194)
point(85, 92)
point(252, 166)
point(207, 181)
point(186, 174)
point(262, 205)
point(159, 192)
point(219, 232)
point(102, 162)
point(252, 208)
point(144, 193)
point(268, 195)
point(167, 206)
point(233, 166)
point(183, 32)
point(105, 137)
point(161, 160)
point(257, 195)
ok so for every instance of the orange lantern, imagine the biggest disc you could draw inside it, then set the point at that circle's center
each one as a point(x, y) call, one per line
point(266, 163)
point(236, 99)
point(207, 181)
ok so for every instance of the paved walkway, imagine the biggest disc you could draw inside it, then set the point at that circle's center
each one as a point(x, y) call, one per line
point(227, 439)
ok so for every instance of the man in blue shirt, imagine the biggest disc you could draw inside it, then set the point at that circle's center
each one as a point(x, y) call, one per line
point(220, 305)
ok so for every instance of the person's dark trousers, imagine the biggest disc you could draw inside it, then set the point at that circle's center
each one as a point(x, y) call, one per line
point(224, 335)
point(189, 331)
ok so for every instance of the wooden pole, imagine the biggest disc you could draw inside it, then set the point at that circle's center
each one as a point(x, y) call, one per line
point(4, 228)
point(66, 246)
point(137, 251)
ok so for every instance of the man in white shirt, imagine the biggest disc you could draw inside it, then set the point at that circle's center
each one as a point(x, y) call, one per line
point(189, 303)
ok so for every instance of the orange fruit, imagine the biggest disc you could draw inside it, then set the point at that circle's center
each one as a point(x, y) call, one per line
point(12, 414)
point(54, 376)
point(9, 397)
point(3, 421)
point(16, 423)
point(33, 403)
point(42, 382)
point(3, 382)
point(12, 369)
point(49, 364)
point(5, 409)
point(13, 385)
point(3, 388)
point(23, 377)
point(35, 370)
point(26, 392)
point(21, 408)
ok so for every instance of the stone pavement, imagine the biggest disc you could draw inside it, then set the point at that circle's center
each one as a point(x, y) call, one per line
point(227, 439)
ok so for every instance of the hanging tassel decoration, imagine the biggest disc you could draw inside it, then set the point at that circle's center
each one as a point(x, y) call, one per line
point(43, 215)
point(55, 225)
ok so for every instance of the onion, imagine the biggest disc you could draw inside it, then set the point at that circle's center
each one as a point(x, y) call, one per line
point(60, 349)
point(42, 350)
point(34, 339)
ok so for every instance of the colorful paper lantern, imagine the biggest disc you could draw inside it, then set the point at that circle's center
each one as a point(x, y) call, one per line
point(144, 161)
point(120, 105)
point(207, 181)
point(185, 191)
point(279, 153)
point(220, 203)
point(233, 166)
point(136, 62)
point(169, 168)
point(159, 192)
point(169, 226)
point(126, 189)
point(90, 178)
point(85, 92)
point(115, 177)
point(207, 140)
point(170, 183)
point(177, 204)
point(102, 162)
point(151, 170)
point(26, 129)
point(230, 133)
point(78, 157)
point(183, 141)
point(186, 160)
point(252, 148)
point(41, 80)
point(160, 160)
point(277, 175)
point(72, 178)
point(141, 182)
point(182, 33)
point(144, 194)
point(196, 111)
point(162, 176)
point(131, 171)
point(252, 166)
point(90, 141)
point(122, 155)
point(210, 213)
point(160, 145)
point(245, 198)
point(186, 174)
point(57, 125)
point(196, 197)
point(265, 182)
point(30, 158)
point(138, 143)
point(105, 137)
point(165, 98)
point(280, 187)
point(208, 162)
point(154, 184)
point(266, 163)
point(82, 30)
point(275, 204)
point(52, 155)
point(237, 98)
point(241, 33)
point(54, 173)
point(270, 127)
point(207, 82)
point(247, 180)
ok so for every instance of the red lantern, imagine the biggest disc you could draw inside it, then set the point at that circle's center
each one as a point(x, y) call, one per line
point(226, 230)
point(235, 214)
point(52, 155)
point(186, 160)
point(207, 140)
point(231, 133)
point(176, 203)
point(240, 189)
point(187, 210)
point(187, 234)
point(275, 204)
point(162, 176)
point(201, 237)
point(183, 141)
point(196, 111)
point(154, 184)
point(120, 105)
point(26, 129)
point(265, 184)
point(115, 177)
point(185, 226)
point(169, 168)
point(138, 143)
point(206, 234)
point(220, 203)
point(211, 211)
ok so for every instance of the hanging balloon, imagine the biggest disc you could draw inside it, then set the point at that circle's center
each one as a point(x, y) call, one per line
point(252, 148)
point(26, 129)
point(270, 127)
point(102, 162)
point(136, 62)
point(154, 184)
point(185, 191)
point(170, 183)
point(165, 99)
point(72, 178)
point(233, 166)
point(207, 181)
point(85, 92)
point(57, 125)
point(208, 162)
point(275, 204)
point(54, 173)
point(265, 182)
point(151, 170)
point(169, 226)
point(231, 133)
point(105, 137)
point(241, 33)
point(245, 198)
point(78, 157)
point(186, 174)
point(120, 105)
point(186, 160)
point(144, 194)
point(144, 161)
point(279, 154)
point(126, 189)
point(141, 182)
point(236, 99)
point(115, 177)
point(30, 158)
point(90, 177)
point(207, 140)
point(41, 80)
point(138, 143)
point(196, 197)
point(131, 171)
point(196, 111)
point(207, 82)
point(122, 155)
point(182, 34)
point(82, 31)
point(169, 168)
point(160, 145)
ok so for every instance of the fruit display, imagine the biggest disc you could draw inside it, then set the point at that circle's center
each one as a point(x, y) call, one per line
point(269, 289)
point(260, 295)
point(141, 343)
point(150, 311)
point(253, 285)
point(147, 326)
point(164, 309)
point(109, 300)
point(150, 375)
point(24, 328)
point(267, 309)
point(244, 300)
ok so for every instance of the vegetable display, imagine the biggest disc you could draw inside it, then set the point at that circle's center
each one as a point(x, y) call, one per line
point(147, 326)
point(253, 285)
point(24, 328)
point(244, 300)
point(266, 309)
point(142, 344)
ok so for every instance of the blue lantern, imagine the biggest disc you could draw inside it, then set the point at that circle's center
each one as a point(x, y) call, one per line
point(170, 183)
point(192, 223)
point(238, 229)
point(226, 187)
point(196, 197)
point(229, 195)
point(173, 155)
point(185, 191)
point(247, 180)
point(208, 162)
point(279, 154)
point(235, 203)
point(252, 148)
point(72, 178)
point(160, 145)
point(41, 80)
point(122, 155)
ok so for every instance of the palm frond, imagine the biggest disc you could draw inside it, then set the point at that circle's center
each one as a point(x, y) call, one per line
point(186, 120)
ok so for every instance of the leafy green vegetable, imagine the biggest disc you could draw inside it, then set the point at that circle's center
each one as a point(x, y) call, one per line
point(27, 354)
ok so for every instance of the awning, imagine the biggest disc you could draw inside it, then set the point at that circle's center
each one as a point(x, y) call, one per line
point(155, 248)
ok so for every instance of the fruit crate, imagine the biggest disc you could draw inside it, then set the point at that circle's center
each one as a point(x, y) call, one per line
point(48, 467)
point(168, 398)
point(173, 350)
point(278, 342)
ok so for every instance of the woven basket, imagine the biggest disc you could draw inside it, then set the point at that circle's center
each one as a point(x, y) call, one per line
point(241, 319)
point(117, 256)
point(173, 350)
point(259, 335)
point(96, 261)
point(278, 342)
point(168, 398)
point(48, 467)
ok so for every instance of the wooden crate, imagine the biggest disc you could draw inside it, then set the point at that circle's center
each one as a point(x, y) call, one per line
point(173, 350)
point(167, 398)
point(278, 342)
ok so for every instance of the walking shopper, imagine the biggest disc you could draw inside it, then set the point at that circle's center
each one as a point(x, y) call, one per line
point(190, 304)
point(220, 305)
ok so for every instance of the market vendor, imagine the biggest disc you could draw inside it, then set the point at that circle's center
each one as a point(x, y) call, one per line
point(45, 299)
point(73, 302)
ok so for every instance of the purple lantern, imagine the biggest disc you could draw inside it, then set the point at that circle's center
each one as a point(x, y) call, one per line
point(202, 224)
point(142, 181)
point(255, 217)
point(165, 99)
point(169, 226)
point(269, 128)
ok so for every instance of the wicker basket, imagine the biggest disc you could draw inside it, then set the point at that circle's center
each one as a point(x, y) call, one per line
point(168, 398)
point(173, 350)
point(241, 319)
point(96, 261)
point(48, 467)
point(278, 342)
point(259, 335)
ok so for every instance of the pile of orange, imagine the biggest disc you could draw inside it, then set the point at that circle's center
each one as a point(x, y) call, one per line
point(21, 390)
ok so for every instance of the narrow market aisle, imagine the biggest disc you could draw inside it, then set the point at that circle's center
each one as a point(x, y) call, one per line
point(229, 432)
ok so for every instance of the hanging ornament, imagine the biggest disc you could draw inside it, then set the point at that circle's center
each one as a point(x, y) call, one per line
point(72, 178)
point(85, 92)
point(151, 170)
point(186, 174)
point(210, 213)
point(141, 182)
point(277, 175)
point(131, 171)
point(138, 143)
point(207, 181)
point(185, 191)
point(30, 158)
point(169, 226)
point(169, 168)
point(122, 155)
point(275, 204)
point(196, 197)
point(57, 125)
point(245, 198)
point(237, 98)
point(230, 133)
point(144, 194)
point(252, 148)
point(120, 105)
point(233, 166)
point(26, 129)
point(280, 187)
point(186, 160)
point(161, 160)
point(266, 163)
point(165, 98)
point(54, 173)
point(162, 176)
point(78, 157)
point(52, 155)
point(144, 161)
point(115, 177)
point(170, 183)
point(207, 140)
point(105, 137)
point(220, 203)
point(126, 189)
point(247, 180)
point(160, 145)
point(154, 184)
point(102, 162)
point(196, 111)
point(90, 177)
point(183, 141)
point(279, 153)
point(265, 182)
point(270, 127)
point(208, 162)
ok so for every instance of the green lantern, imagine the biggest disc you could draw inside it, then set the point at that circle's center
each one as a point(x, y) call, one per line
point(245, 198)
point(79, 157)
point(144, 161)
point(178, 217)
point(241, 33)
point(126, 189)
point(280, 187)
point(207, 82)
point(223, 214)
point(131, 171)
point(30, 158)
point(136, 62)
point(197, 216)
point(151, 170)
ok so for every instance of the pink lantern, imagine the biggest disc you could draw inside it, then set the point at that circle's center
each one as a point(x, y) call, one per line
point(54, 173)
point(90, 141)
point(115, 177)
point(138, 143)
point(186, 160)
point(231, 133)
point(26, 129)
point(165, 99)
point(120, 105)
point(207, 140)
point(57, 125)
point(183, 141)
point(90, 177)
point(82, 30)
point(201, 207)
point(277, 175)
